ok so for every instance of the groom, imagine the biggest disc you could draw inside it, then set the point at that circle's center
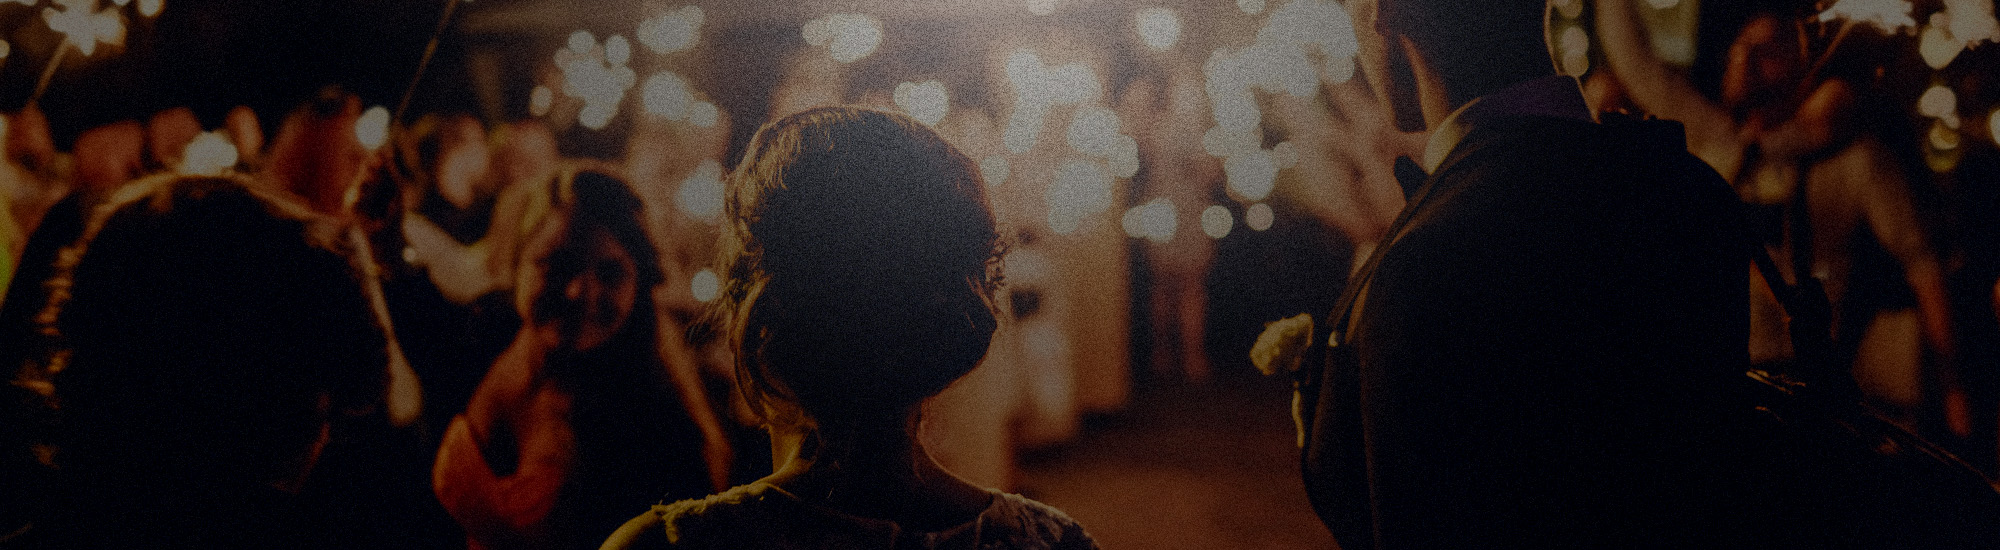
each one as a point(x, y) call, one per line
point(1538, 354)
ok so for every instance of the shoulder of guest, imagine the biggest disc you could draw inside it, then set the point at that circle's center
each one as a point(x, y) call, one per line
point(1040, 525)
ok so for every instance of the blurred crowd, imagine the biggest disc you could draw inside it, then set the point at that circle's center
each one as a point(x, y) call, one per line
point(442, 331)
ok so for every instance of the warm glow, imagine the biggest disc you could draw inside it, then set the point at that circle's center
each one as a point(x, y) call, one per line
point(372, 129)
point(926, 101)
point(84, 28)
point(994, 169)
point(1041, 7)
point(675, 31)
point(1992, 123)
point(210, 154)
point(151, 8)
point(1570, 9)
point(1093, 131)
point(1971, 21)
point(700, 195)
point(1160, 28)
point(1889, 15)
point(1216, 221)
point(1575, 46)
point(5, 49)
point(667, 95)
point(1943, 138)
point(1081, 189)
point(582, 41)
point(1038, 87)
point(589, 75)
point(1251, 175)
point(1286, 154)
point(1663, 4)
point(1259, 217)
point(847, 36)
point(704, 114)
point(1222, 143)
point(3, 128)
point(540, 100)
point(1938, 102)
point(1124, 161)
point(1937, 44)
point(1154, 221)
point(704, 285)
point(617, 50)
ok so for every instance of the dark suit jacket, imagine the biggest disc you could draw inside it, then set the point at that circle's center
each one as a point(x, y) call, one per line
point(1539, 350)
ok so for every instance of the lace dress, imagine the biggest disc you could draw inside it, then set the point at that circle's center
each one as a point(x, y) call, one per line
point(760, 515)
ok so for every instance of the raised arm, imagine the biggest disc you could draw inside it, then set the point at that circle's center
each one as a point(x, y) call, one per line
point(1660, 90)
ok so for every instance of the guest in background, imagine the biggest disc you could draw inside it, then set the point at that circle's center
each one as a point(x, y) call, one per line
point(578, 422)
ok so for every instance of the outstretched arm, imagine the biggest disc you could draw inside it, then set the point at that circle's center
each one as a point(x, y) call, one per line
point(1657, 88)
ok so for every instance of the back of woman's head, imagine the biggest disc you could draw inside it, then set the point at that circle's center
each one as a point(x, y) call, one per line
point(861, 259)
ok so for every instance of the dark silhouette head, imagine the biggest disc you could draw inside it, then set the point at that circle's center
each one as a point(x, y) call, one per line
point(860, 258)
point(209, 332)
point(1476, 47)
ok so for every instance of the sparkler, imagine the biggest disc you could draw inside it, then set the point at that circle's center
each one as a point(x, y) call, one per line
point(1891, 16)
point(82, 27)
point(430, 49)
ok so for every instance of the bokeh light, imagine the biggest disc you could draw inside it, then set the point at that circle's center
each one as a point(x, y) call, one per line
point(1971, 21)
point(5, 49)
point(540, 100)
point(700, 195)
point(926, 101)
point(1570, 9)
point(1938, 102)
point(1992, 123)
point(673, 31)
point(210, 154)
point(1251, 175)
point(1663, 4)
point(588, 74)
point(1259, 217)
point(1124, 160)
point(1093, 131)
point(1216, 221)
point(1575, 46)
point(1081, 189)
point(372, 129)
point(704, 114)
point(1936, 44)
point(151, 8)
point(666, 94)
point(1943, 137)
point(1252, 7)
point(617, 50)
point(84, 28)
point(1286, 154)
point(1159, 28)
point(847, 36)
point(1891, 16)
point(1155, 220)
point(704, 285)
point(994, 169)
point(1041, 7)
point(1037, 87)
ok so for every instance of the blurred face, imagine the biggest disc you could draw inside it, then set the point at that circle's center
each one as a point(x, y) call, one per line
point(581, 287)
point(1762, 63)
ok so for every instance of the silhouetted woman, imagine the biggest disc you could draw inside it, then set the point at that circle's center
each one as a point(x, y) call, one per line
point(861, 260)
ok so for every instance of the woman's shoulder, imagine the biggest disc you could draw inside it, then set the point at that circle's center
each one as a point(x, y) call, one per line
point(715, 521)
point(1015, 521)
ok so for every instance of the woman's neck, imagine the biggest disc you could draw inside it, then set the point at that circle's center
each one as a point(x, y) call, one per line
point(880, 472)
